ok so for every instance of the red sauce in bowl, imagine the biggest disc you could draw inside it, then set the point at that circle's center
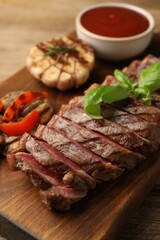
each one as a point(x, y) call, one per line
point(114, 21)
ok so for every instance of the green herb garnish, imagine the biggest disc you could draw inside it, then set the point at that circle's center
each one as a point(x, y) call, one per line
point(150, 78)
point(123, 80)
point(107, 94)
point(148, 81)
point(58, 52)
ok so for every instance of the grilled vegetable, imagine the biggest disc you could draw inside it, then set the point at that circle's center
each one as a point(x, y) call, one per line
point(21, 112)
point(19, 102)
point(61, 62)
point(22, 126)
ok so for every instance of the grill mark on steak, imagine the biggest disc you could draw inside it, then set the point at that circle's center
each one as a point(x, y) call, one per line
point(128, 106)
point(136, 67)
point(116, 132)
point(146, 130)
point(146, 112)
point(40, 149)
point(105, 171)
point(95, 165)
point(96, 142)
point(65, 146)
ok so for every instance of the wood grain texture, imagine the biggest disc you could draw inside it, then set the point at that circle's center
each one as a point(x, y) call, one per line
point(102, 213)
point(24, 23)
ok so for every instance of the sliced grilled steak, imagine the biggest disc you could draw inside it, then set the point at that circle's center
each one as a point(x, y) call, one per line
point(136, 67)
point(147, 129)
point(95, 165)
point(26, 162)
point(129, 106)
point(146, 112)
point(96, 142)
point(57, 193)
point(74, 152)
point(65, 146)
point(122, 135)
point(61, 198)
point(119, 126)
point(132, 71)
point(57, 162)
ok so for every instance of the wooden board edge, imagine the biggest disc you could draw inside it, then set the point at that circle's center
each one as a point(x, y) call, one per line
point(9, 230)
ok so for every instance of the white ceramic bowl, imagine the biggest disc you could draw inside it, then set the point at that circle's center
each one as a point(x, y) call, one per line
point(116, 48)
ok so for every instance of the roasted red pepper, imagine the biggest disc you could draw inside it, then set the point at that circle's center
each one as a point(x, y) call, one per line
point(25, 125)
point(25, 98)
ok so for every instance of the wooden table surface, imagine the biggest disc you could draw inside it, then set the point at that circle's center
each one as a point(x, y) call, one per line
point(24, 23)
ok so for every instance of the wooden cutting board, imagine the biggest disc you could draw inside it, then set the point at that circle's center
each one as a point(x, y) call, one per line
point(102, 213)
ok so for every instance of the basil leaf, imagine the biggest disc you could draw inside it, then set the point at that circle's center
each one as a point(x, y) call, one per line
point(112, 94)
point(92, 102)
point(140, 91)
point(148, 81)
point(144, 95)
point(94, 111)
point(147, 99)
point(106, 94)
point(150, 77)
point(123, 80)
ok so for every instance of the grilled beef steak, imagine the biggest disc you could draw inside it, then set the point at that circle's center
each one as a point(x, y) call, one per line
point(71, 154)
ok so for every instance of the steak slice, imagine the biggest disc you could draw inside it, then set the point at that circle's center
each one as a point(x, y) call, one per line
point(97, 143)
point(58, 163)
point(26, 162)
point(61, 198)
point(147, 129)
point(147, 113)
point(71, 172)
point(121, 135)
point(56, 194)
point(128, 124)
point(132, 106)
point(137, 66)
point(93, 164)
point(132, 71)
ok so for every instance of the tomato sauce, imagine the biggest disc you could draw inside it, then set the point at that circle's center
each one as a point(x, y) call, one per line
point(114, 21)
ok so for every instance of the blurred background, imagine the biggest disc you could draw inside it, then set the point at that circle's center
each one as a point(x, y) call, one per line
point(25, 23)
